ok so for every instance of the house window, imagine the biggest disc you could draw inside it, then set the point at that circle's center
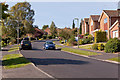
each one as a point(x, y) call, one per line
point(92, 23)
point(105, 20)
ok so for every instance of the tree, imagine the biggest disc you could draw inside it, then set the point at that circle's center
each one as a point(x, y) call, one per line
point(44, 27)
point(53, 30)
point(22, 14)
point(3, 17)
point(73, 25)
point(80, 29)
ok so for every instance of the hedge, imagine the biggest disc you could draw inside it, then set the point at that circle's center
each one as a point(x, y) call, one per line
point(100, 36)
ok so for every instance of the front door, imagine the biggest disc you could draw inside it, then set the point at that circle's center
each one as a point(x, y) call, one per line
point(115, 34)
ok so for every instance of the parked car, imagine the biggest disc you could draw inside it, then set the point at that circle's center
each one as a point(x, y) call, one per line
point(49, 45)
point(26, 44)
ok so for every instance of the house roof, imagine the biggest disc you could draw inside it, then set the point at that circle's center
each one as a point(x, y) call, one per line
point(111, 13)
point(86, 19)
point(95, 17)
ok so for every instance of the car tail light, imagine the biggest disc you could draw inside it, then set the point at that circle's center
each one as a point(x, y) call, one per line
point(22, 43)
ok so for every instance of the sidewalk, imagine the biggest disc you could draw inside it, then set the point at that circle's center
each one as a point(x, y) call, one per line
point(28, 71)
point(104, 56)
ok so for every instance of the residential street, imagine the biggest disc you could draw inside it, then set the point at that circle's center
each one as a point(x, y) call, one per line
point(61, 64)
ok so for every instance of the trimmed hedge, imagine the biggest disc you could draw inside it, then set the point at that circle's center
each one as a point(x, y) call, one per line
point(100, 36)
point(113, 45)
point(101, 47)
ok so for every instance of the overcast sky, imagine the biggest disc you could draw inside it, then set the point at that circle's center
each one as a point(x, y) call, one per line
point(63, 13)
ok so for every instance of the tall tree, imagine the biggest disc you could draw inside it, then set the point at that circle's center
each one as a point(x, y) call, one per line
point(44, 27)
point(73, 25)
point(80, 29)
point(22, 14)
point(53, 29)
point(3, 17)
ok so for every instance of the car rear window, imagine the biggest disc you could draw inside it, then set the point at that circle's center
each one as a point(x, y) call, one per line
point(49, 42)
point(26, 42)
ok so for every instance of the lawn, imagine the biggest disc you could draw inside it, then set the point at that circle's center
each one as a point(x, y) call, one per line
point(115, 59)
point(58, 46)
point(82, 52)
point(14, 61)
point(85, 46)
point(14, 48)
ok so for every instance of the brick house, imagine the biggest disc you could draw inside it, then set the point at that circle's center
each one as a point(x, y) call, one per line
point(47, 30)
point(107, 19)
point(85, 26)
point(94, 25)
point(115, 29)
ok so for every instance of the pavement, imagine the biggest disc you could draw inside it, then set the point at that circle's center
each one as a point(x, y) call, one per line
point(60, 64)
point(28, 71)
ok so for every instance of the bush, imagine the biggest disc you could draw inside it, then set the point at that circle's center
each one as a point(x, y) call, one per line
point(95, 46)
point(71, 40)
point(90, 37)
point(80, 42)
point(101, 47)
point(49, 37)
point(44, 36)
point(100, 36)
point(61, 42)
point(86, 41)
point(113, 45)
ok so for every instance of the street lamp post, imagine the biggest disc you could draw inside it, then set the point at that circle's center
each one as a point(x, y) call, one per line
point(17, 32)
point(77, 30)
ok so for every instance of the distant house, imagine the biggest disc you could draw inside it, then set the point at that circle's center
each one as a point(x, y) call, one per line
point(47, 30)
point(107, 19)
point(94, 25)
point(38, 33)
point(85, 26)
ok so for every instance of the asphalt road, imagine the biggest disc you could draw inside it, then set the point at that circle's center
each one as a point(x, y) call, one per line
point(61, 64)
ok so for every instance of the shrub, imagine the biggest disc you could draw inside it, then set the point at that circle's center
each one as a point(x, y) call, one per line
point(49, 37)
point(101, 47)
point(100, 36)
point(90, 37)
point(71, 40)
point(62, 42)
point(113, 45)
point(80, 42)
point(95, 46)
point(86, 41)
point(44, 36)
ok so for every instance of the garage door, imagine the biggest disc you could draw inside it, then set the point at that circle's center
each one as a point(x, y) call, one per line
point(115, 34)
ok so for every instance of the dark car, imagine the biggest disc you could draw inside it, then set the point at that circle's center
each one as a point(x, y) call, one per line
point(49, 45)
point(26, 44)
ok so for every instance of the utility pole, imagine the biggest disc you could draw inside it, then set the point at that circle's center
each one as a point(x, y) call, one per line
point(77, 30)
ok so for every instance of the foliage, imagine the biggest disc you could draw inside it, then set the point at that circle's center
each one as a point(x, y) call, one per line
point(86, 34)
point(80, 29)
point(100, 36)
point(4, 8)
point(53, 30)
point(61, 41)
point(100, 47)
point(49, 36)
point(81, 42)
point(71, 40)
point(21, 15)
point(86, 41)
point(113, 45)
point(44, 27)
point(65, 34)
point(74, 32)
point(95, 46)
point(44, 36)
point(90, 37)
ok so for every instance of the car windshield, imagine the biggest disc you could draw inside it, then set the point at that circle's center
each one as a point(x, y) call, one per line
point(49, 42)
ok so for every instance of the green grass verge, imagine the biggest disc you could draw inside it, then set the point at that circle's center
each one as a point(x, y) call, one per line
point(115, 59)
point(14, 61)
point(86, 47)
point(58, 46)
point(14, 48)
point(82, 52)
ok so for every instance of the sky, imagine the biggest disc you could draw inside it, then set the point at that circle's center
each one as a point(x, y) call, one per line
point(63, 13)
